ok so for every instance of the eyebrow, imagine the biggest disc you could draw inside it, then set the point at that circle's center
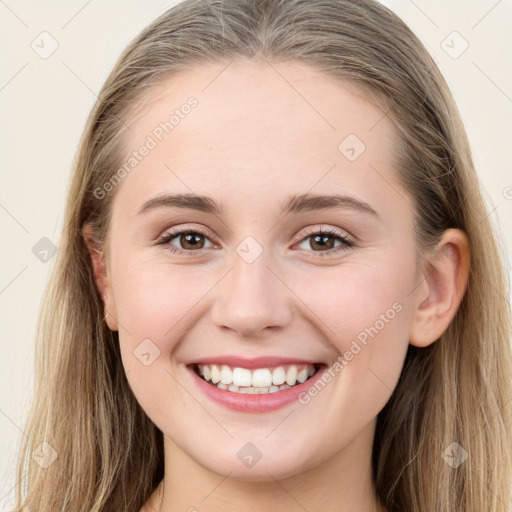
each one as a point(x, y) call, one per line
point(294, 204)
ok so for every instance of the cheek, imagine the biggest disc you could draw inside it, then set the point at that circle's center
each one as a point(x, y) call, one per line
point(151, 300)
point(360, 299)
point(366, 310)
point(152, 304)
point(156, 307)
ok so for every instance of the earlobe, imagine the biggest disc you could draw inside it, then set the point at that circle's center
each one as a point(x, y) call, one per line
point(444, 282)
point(100, 275)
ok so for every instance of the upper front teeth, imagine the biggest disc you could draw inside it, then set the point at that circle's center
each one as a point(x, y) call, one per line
point(261, 377)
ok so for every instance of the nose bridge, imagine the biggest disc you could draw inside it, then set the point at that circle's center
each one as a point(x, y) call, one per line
point(251, 297)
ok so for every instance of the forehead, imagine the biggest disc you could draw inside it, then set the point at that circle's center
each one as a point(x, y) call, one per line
point(243, 92)
point(260, 127)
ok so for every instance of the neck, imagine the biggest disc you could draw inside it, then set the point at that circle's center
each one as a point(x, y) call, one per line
point(342, 483)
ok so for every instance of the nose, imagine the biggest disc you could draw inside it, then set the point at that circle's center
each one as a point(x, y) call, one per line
point(252, 299)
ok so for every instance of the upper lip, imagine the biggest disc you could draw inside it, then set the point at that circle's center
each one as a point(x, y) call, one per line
point(256, 362)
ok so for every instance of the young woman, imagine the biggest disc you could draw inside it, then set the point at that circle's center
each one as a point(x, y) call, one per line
point(277, 286)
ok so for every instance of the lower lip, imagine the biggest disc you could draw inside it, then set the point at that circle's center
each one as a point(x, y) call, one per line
point(255, 403)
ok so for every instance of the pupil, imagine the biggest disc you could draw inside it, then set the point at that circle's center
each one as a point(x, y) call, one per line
point(190, 239)
point(321, 239)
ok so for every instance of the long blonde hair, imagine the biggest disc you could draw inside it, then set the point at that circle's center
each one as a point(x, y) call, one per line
point(109, 454)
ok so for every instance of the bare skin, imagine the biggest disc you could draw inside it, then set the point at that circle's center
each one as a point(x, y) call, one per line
point(253, 140)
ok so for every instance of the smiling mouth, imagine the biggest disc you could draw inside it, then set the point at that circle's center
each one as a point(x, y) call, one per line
point(255, 381)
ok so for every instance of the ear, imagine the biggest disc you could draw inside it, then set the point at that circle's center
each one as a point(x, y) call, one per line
point(444, 282)
point(101, 276)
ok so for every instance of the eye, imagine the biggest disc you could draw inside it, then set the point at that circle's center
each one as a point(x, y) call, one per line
point(189, 240)
point(320, 239)
point(193, 240)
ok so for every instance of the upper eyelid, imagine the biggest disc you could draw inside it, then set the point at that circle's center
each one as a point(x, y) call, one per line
point(323, 228)
point(185, 227)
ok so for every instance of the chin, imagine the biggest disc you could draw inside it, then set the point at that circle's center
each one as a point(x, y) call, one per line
point(265, 469)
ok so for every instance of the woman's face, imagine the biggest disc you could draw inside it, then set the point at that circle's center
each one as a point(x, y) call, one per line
point(252, 283)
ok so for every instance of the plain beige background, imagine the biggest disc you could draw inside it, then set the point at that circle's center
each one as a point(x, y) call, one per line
point(45, 100)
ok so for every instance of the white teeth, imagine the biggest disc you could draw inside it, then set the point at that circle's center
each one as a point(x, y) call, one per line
point(241, 377)
point(226, 375)
point(279, 375)
point(301, 376)
point(260, 380)
point(291, 375)
point(215, 373)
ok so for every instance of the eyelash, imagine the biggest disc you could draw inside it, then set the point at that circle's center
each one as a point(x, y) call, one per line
point(171, 235)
